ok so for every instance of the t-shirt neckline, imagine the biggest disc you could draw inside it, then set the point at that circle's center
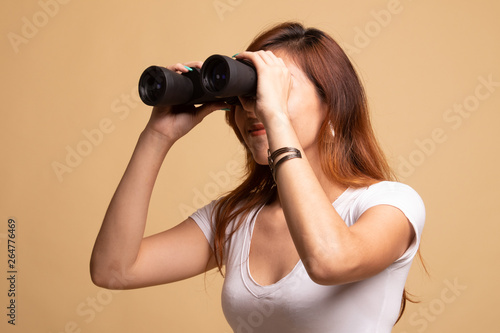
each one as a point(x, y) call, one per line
point(251, 285)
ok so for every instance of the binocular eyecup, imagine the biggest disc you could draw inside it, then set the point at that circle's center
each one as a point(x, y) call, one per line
point(221, 79)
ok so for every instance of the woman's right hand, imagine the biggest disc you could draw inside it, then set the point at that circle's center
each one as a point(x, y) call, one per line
point(173, 122)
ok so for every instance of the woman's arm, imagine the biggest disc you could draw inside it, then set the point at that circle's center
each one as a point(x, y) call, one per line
point(122, 258)
point(332, 253)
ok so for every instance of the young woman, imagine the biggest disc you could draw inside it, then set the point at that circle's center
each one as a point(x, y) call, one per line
point(317, 238)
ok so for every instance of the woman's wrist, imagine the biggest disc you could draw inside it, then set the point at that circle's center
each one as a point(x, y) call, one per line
point(280, 133)
point(156, 140)
point(277, 121)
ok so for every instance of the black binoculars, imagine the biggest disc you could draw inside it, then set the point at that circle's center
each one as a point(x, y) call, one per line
point(221, 78)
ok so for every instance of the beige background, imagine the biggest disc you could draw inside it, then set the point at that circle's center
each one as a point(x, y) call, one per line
point(69, 78)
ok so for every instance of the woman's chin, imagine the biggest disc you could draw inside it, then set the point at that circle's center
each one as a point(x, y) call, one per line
point(260, 158)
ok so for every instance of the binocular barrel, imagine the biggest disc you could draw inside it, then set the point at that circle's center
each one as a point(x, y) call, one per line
point(221, 78)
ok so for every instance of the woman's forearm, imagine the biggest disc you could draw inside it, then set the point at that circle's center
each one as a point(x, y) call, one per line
point(119, 239)
point(333, 253)
point(319, 233)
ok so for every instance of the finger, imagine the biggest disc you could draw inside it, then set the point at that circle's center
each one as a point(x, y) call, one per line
point(159, 109)
point(252, 56)
point(194, 64)
point(282, 62)
point(277, 60)
point(178, 67)
point(261, 58)
point(185, 67)
point(269, 57)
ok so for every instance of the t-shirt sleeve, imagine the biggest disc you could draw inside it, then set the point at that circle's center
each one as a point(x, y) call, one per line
point(405, 199)
point(204, 220)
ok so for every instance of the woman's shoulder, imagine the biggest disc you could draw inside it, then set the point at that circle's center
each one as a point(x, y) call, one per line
point(384, 189)
point(393, 190)
point(207, 212)
point(391, 186)
point(399, 195)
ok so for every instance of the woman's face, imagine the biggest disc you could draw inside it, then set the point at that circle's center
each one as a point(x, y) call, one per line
point(305, 110)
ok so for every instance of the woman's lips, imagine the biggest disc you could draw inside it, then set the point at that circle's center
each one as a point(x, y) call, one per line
point(257, 129)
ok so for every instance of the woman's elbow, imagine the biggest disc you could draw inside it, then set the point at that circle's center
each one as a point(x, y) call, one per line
point(98, 276)
point(98, 279)
point(332, 271)
point(109, 278)
point(324, 277)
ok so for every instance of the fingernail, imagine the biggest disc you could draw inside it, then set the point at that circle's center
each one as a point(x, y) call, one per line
point(235, 55)
point(189, 68)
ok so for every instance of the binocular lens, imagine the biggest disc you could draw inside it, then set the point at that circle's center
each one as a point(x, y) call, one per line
point(219, 74)
point(153, 85)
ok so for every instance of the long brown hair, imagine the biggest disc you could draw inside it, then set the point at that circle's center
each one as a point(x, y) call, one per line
point(350, 154)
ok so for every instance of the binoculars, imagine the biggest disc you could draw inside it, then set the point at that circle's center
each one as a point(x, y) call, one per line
point(221, 78)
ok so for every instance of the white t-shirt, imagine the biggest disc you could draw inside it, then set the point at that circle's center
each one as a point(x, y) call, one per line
point(296, 303)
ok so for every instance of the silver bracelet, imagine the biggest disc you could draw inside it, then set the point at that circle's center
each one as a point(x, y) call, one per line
point(271, 158)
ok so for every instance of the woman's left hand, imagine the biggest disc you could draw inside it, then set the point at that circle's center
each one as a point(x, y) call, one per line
point(273, 87)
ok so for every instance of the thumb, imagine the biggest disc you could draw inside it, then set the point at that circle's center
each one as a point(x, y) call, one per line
point(248, 103)
point(206, 109)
